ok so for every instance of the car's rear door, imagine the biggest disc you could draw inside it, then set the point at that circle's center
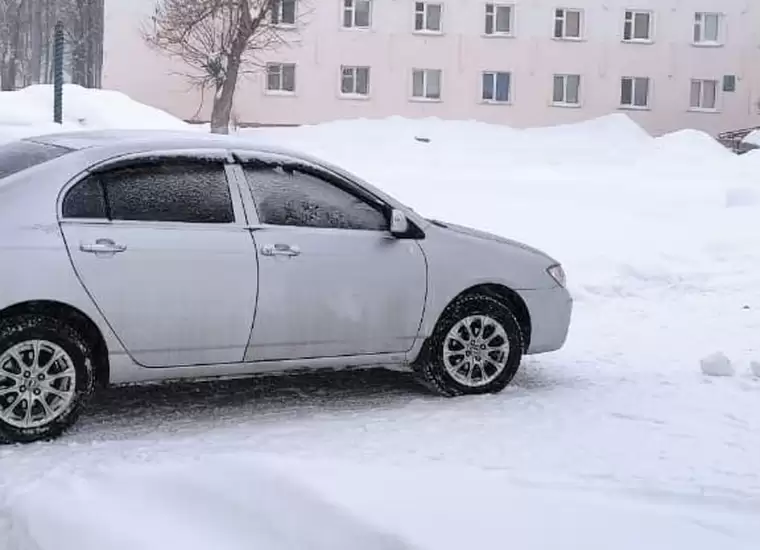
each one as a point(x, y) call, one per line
point(160, 244)
point(333, 281)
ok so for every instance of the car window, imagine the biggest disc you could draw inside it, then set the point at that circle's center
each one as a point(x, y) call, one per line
point(85, 200)
point(21, 155)
point(169, 190)
point(287, 196)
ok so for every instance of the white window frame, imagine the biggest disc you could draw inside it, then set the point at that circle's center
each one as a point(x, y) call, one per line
point(700, 108)
point(280, 91)
point(699, 26)
point(650, 29)
point(425, 14)
point(563, 18)
point(495, 7)
point(424, 97)
point(510, 88)
point(565, 85)
point(352, 9)
point(279, 6)
point(632, 106)
point(354, 70)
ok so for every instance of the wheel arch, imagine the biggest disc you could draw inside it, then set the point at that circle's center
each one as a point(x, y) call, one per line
point(78, 320)
point(507, 297)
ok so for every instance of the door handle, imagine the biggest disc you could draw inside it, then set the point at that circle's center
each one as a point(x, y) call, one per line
point(280, 250)
point(102, 246)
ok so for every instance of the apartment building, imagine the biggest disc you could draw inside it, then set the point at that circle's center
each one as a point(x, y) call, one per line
point(670, 64)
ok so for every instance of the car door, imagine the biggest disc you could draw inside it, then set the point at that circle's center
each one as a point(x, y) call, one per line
point(332, 280)
point(161, 246)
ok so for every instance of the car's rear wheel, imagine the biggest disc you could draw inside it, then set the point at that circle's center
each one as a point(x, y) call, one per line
point(46, 377)
point(476, 348)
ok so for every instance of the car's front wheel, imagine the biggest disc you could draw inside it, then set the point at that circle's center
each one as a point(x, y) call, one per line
point(476, 348)
point(46, 377)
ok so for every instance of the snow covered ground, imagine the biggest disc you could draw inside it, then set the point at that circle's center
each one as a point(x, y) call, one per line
point(619, 441)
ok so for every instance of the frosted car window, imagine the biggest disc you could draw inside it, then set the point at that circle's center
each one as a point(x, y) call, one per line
point(85, 200)
point(21, 155)
point(290, 197)
point(169, 191)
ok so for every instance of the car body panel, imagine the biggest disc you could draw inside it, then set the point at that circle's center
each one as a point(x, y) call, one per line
point(455, 259)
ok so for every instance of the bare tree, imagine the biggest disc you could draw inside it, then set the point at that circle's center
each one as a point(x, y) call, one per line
point(219, 40)
point(26, 41)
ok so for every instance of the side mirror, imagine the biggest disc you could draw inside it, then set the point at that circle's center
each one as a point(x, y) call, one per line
point(399, 223)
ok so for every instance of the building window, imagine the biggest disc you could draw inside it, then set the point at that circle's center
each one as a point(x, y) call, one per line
point(354, 81)
point(281, 77)
point(729, 83)
point(428, 17)
point(499, 19)
point(707, 28)
point(637, 26)
point(426, 84)
point(567, 88)
point(568, 24)
point(284, 12)
point(357, 14)
point(634, 92)
point(497, 87)
point(704, 95)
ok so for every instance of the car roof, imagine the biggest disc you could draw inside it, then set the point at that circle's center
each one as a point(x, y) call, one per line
point(140, 139)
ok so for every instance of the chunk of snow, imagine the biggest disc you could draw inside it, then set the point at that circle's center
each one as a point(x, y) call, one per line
point(717, 364)
point(755, 368)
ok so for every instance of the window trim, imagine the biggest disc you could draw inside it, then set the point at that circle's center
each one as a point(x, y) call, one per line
point(718, 92)
point(512, 18)
point(280, 92)
point(510, 88)
point(633, 107)
point(581, 25)
point(425, 31)
point(650, 29)
point(424, 98)
point(280, 24)
point(355, 95)
point(720, 42)
point(128, 159)
point(565, 104)
point(353, 26)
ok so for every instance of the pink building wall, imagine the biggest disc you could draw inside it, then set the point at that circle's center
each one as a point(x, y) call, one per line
point(320, 46)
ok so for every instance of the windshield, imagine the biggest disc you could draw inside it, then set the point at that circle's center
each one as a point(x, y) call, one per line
point(21, 155)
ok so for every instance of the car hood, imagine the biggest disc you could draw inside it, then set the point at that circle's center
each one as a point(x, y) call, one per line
point(478, 234)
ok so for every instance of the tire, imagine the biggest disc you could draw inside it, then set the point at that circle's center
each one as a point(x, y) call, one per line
point(55, 367)
point(441, 375)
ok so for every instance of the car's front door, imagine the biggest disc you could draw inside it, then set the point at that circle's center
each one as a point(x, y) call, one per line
point(160, 245)
point(333, 281)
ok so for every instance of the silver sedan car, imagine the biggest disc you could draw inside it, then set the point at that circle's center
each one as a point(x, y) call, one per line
point(131, 257)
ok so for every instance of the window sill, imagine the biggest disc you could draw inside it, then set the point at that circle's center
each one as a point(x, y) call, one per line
point(700, 110)
point(425, 100)
point(495, 102)
point(285, 26)
point(498, 35)
point(356, 29)
point(634, 108)
point(562, 105)
point(707, 44)
point(279, 93)
point(427, 33)
point(638, 41)
point(354, 97)
point(568, 39)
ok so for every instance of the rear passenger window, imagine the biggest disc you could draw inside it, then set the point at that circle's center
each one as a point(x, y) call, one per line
point(173, 190)
point(85, 200)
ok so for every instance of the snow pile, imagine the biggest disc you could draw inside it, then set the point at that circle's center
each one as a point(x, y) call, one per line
point(717, 364)
point(755, 368)
point(31, 110)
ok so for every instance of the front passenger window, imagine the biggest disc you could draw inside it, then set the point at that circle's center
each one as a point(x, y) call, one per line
point(291, 197)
